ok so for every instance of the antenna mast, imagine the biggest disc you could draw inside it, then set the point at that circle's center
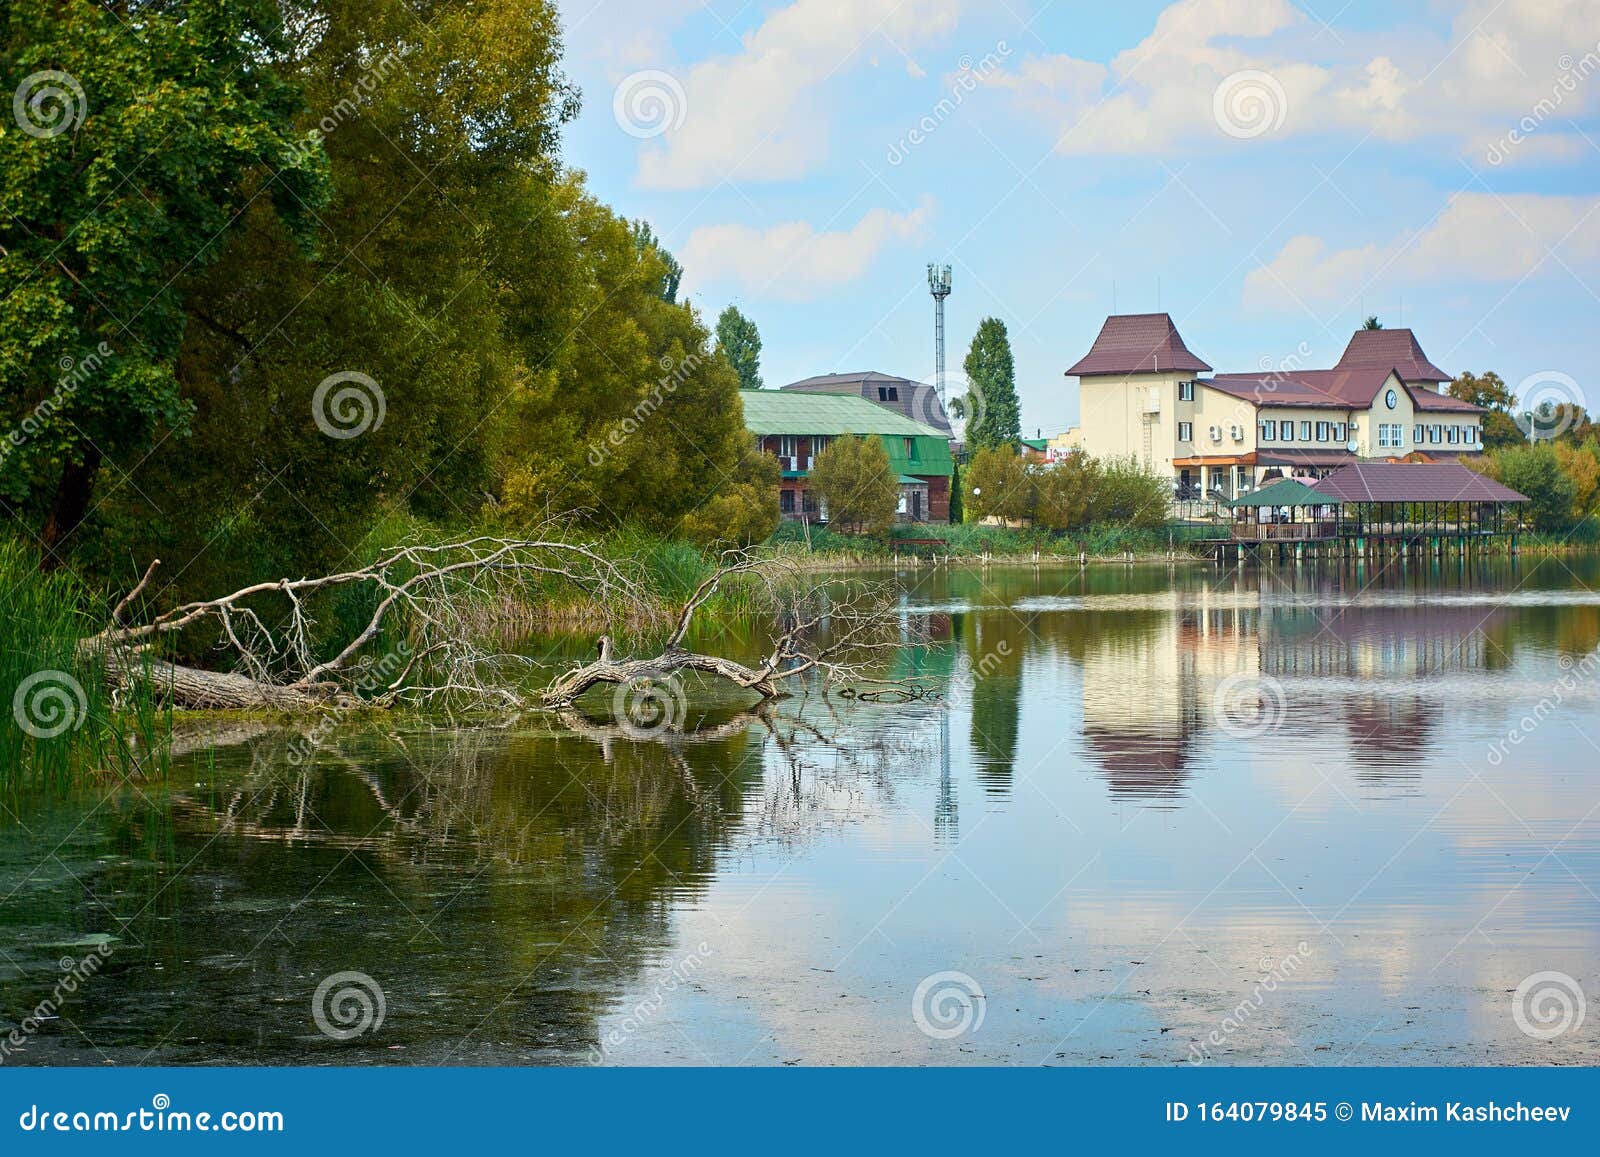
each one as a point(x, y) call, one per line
point(939, 286)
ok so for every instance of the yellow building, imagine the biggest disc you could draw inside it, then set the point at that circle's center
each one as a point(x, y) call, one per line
point(1143, 394)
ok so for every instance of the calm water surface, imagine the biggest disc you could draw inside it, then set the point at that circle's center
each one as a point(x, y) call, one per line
point(1160, 814)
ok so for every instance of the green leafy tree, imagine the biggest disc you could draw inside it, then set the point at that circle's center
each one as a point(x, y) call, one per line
point(999, 485)
point(1372, 323)
point(1125, 494)
point(672, 273)
point(1066, 490)
point(1490, 391)
point(138, 150)
point(1536, 472)
point(853, 477)
point(739, 341)
point(992, 376)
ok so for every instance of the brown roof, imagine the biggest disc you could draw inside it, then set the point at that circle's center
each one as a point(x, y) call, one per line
point(1137, 343)
point(1395, 349)
point(916, 400)
point(1307, 457)
point(1337, 389)
point(1414, 482)
point(1352, 388)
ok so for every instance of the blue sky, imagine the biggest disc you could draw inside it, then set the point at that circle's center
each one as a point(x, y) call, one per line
point(1267, 172)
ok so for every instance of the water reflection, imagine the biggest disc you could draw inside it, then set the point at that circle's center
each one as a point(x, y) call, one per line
point(1071, 818)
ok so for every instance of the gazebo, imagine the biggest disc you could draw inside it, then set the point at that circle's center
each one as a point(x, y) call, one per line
point(1283, 511)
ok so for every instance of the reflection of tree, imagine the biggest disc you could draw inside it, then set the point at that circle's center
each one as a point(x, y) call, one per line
point(995, 645)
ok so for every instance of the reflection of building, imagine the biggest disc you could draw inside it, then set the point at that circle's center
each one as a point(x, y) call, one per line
point(1147, 697)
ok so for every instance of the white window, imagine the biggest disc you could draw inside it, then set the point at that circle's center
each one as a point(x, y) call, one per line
point(1185, 391)
point(786, 445)
point(1341, 432)
point(1416, 435)
point(1453, 435)
point(1269, 431)
point(1435, 433)
point(1469, 435)
point(1186, 431)
point(1391, 434)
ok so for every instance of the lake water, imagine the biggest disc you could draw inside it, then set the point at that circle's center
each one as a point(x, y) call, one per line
point(1155, 817)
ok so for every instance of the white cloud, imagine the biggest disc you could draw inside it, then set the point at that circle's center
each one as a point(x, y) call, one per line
point(792, 261)
point(1502, 60)
point(1479, 237)
point(761, 114)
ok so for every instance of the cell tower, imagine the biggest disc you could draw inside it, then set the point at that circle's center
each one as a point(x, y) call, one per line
point(939, 286)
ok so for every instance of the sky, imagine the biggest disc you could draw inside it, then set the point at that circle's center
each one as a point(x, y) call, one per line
point(1269, 173)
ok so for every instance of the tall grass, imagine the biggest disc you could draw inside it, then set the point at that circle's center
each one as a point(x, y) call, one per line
point(59, 723)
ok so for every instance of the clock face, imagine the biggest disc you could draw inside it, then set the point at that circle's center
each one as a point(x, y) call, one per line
point(1389, 399)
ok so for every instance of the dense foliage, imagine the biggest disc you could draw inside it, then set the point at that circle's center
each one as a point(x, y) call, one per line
point(854, 478)
point(344, 283)
point(1077, 492)
point(1561, 481)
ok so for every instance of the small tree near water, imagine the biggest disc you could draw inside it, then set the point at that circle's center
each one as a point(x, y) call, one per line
point(853, 477)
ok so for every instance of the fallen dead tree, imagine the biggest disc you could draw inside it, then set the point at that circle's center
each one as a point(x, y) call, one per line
point(831, 628)
point(431, 606)
point(421, 640)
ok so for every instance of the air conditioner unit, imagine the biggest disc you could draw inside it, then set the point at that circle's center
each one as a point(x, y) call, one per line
point(1237, 432)
point(1216, 433)
point(1355, 428)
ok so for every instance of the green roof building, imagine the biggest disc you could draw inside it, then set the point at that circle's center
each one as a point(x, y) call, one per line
point(795, 427)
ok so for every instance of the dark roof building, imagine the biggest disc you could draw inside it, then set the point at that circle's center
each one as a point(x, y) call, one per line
point(1387, 349)
point(915, 400)
point(1138, 343)
point(1414, 482)
point(1349, 388)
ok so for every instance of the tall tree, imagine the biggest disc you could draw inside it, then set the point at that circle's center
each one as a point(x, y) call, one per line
point(1372, 323)
point(992, 377)
point(135, 153)
point(1490, 391)
point(740, 342)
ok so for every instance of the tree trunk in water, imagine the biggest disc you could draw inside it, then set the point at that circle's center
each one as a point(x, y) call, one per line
point(70, 507)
